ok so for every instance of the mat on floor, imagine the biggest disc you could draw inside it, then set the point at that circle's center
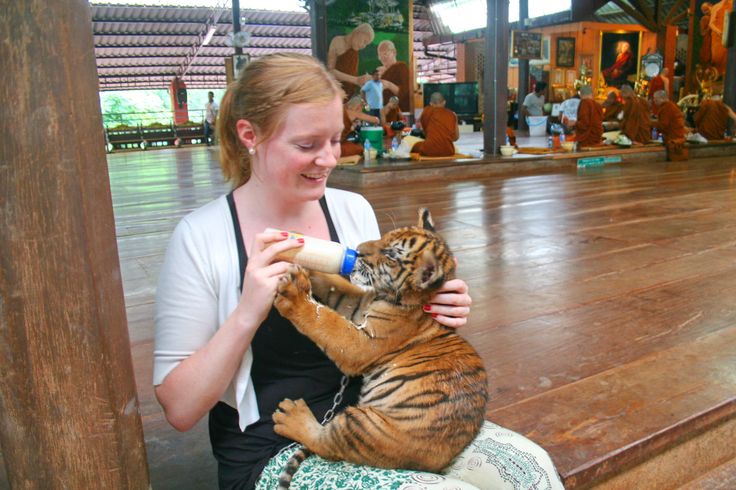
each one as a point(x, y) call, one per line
point(456, 156)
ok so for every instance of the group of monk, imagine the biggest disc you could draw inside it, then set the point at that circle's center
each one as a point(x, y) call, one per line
point(438, 124)
point(636, 119)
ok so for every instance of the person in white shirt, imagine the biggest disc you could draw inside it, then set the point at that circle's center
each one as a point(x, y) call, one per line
point(533, 104)
point(569, 113)
point(210, 118)
point(221, 349)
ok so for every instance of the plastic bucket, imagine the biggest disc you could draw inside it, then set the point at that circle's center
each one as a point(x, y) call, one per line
point(537, 125)
point(374, 134)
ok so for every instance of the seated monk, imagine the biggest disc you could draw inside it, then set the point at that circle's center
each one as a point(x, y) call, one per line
point(712, 117)
point(440, 129)
point(612, 108)
point(391, 116)
point(589, 126)
point(671, 123)
point(352, 113)
point(635, 123)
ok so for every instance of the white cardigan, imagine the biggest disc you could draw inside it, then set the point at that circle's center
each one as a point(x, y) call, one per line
point(199, 286)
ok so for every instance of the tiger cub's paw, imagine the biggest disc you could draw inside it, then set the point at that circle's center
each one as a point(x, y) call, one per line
point(292, 419)
point(293, 286)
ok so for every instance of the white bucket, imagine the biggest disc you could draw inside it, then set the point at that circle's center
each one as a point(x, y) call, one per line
point(537, 125)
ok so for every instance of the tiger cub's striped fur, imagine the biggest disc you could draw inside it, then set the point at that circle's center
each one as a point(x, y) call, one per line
point(424, 388)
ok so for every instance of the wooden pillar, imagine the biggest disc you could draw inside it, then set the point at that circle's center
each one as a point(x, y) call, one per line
point(235, 4)
point(70, 415)
point(523, 86)
point(495, 73)
point(729, 96)
point(318, 19)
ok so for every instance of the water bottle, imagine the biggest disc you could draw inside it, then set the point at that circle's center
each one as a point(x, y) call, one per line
point(562, 137)
point(549, 142)
point(654, 133)
point(394, 144)
point(507, 140)
point(367, 150)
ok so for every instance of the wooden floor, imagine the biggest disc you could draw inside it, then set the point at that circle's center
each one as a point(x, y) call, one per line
point(604, 302)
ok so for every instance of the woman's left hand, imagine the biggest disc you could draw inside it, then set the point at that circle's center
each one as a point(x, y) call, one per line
point(451, 305)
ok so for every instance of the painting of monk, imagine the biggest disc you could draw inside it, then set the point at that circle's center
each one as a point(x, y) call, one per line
point(619, 57)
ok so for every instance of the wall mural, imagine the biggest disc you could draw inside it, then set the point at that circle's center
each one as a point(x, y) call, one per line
point(367, 36)
point(709, 55)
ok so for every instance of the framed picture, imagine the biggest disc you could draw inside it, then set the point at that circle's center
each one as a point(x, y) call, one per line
point(557, 77)
point(619, 57)
point(565, 52)
point(526, 45)
point(586, 60)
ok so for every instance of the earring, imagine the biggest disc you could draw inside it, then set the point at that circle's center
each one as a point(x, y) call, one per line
point(251, 151)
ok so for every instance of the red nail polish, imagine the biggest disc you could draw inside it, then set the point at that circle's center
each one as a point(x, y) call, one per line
point(426, 307)
point(434, 315)
point(284, 233)
point(300, 240)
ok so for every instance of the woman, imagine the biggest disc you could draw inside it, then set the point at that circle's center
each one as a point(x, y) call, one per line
point(221, 349)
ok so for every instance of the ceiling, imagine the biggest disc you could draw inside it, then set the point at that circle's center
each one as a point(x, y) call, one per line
point(143, 47)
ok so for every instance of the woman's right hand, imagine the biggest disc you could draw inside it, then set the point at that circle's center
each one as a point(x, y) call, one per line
point(263, 273)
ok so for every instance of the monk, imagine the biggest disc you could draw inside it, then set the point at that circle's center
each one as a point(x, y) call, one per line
point(343, 57)
point(712, 118)
point(589, 126)
point(396, 72)
point(440, 129)
point(671, 123)
point(635, 124)
point(612, 108)
point(352, 112)
point(391, 118)
point(659, 82)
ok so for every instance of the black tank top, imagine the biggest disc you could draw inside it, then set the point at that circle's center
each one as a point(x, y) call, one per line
point(286, 364)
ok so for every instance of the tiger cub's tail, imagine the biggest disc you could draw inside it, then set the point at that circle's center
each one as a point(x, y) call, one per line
point(291, 466)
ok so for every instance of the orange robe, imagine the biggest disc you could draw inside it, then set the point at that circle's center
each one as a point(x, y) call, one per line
point(712, 119)
point(398, 73)
point(348, 148)
point(671, 122)
point(440, 130)
point(636, 124)
point(655, 84)
point(611, 112)
point(348, 63)
point(589, 128)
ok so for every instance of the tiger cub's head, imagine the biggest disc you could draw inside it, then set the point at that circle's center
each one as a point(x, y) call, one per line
point(407, 265)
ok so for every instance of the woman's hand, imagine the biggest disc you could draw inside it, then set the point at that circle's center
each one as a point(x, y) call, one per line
point(262, 274)
point(451, 305)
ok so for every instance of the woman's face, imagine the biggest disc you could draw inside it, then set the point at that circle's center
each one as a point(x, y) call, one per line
point(296, 161)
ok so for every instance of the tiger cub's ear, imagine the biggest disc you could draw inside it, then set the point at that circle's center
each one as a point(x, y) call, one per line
point(429, 273)
point(425, 220)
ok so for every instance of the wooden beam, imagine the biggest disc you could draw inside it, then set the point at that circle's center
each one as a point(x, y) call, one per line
point(677, 18)
point(70, 415)
point(495, 75)
point(672, 16)
point(583, 10)
point(640, 17)
point(643, 6)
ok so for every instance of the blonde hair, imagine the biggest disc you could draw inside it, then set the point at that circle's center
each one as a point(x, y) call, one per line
point(262, 94)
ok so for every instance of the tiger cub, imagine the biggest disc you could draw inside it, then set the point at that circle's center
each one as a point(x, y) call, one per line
point(424, 389)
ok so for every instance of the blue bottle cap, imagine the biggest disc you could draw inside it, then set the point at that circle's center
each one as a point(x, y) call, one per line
point(348, 262)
